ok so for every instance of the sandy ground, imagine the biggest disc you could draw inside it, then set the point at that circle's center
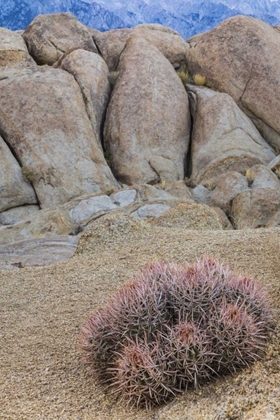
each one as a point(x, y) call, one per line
point(43, 308)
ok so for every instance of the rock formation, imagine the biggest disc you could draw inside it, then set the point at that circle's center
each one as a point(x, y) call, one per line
point(94, 123)
point(241, 57)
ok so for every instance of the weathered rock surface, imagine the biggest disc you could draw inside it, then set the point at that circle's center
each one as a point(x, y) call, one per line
point(192, 216)
point(112, 43)
point(13, 51)
point(14, 215)
point(151, 211)
point(52, 118)
point(253, 209)
point(43, 118)
point(223, 137)
point(38, 252)
point(124, 198)
point(223, 219)
point(91, 73)
point(241, 57)
point(41, 224)
point(147, 122)
point(14, 190)
point(274, 221)
point(261, 176)
point(86, 208)
point(202, 194)
point(229, 185)
point(48, 37)
point(274, 165)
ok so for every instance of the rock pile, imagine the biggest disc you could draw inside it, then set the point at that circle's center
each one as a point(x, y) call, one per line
point(93, 122)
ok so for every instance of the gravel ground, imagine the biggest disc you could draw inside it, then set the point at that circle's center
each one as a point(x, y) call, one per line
point(43, 308)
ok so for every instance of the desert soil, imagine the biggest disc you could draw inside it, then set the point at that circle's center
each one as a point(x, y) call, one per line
point(43, 308)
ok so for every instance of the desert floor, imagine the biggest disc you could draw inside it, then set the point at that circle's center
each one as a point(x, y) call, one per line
point(43, 308)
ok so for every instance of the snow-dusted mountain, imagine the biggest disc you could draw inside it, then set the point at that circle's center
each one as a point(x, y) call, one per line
point(187, 17)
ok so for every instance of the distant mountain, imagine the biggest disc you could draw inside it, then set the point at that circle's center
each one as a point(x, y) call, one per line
point(186, 17)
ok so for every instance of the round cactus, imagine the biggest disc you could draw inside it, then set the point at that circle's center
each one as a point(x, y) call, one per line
point(176, 326)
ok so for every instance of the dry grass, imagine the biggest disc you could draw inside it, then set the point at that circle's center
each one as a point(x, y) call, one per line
point(199, 80)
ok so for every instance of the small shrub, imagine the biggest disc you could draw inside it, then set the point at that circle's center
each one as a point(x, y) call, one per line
point(28, 174)
point(199, 80)
point(250, 175)
point(185, 77)
point(173, 327)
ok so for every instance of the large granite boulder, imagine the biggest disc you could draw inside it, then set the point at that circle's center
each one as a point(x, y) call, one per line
point(112, 43)
point(148, 123)
point(14, 189)
point(49, 36)
point(259, 206)
point(13, 51)
point(241, 57)
point(223, 137)
point(44, 121)
point(91, 73)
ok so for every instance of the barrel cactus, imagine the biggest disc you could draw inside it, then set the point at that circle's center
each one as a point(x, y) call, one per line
point(173, 327)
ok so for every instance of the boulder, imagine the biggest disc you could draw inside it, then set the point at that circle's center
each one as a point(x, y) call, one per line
point(151, 211)
point(86, 208)
point(91, 73)
point(147, 123)
point(14, 189)
point(13, 51)
point(274, 221)
point(241, 57)
point(259, 176)
point(223, 137)
point(49, 36)
point(43, 117)
point(14, 215)
point(37, 252)
point(112, 43)
point(229, 185)
point(274, 165)
point(124, 198)
point(191, 216)
point(226, 224)
point(255, 208)
point(41, 224)
point(202, 194)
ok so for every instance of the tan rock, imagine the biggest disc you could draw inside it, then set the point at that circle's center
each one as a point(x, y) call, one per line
point(274, 221)
point(147, 122)
point(14, 189)
point(44, 120)
point(259, 176)
point(38, 252)
point(49, 36)
point(274, 165)
point(191, 216)
point(112, 43)
point(229, 185)
point(226, 225)
point(253, 209)
point(91, 73)
point(14, 215)
point(223, 137)
point(241, 57)
point(42, 224)
point(13, 51)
